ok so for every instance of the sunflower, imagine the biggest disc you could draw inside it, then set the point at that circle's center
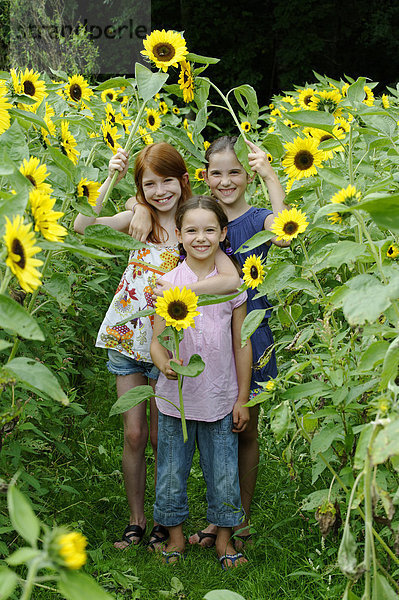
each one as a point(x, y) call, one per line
point(109, 95)
point(72, 549)
point(245, 126)
point(350, 193)
point(253, 271)
point(178, 308)
point(199, 174)
point(77, 89)
point(20, 244)
point(45, 217)
point(385, 101)
point(186, 81)
point(269, 157)
point(165, 48)
point(49, 112)
point(145, 136)
point(111, 116)
point(302, 158)
point(4, 108)
point(36, 173)
point(163, 107)
point(15, 82)
point(176, 110)
point(68, 143)
point(369, 96)
point(88, 189)
point(322, 136)
point(344, 89)
point(393, 251)
point(341, 127)
point(110, 135)
point(326, 100)
point(32, 85)
point(206, 145)
point(305, 98)
point(289, 223)
point(190, 136)
point(153, 121)
point(185, 123)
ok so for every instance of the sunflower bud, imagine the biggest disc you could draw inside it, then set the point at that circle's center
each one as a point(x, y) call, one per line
point(71, 549)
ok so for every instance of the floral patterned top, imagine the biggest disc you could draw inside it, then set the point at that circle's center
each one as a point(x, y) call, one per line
point(134, 293)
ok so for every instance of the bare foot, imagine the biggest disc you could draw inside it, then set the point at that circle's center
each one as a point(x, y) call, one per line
point(205, 538)
point(229, 558)
point(173, 551)
point(242, 536)
point(132, 536)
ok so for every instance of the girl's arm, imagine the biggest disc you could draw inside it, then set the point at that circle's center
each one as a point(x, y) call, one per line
point(260, 164)
point(120, 222)
point(160, 356)
point(243, 362)
point(141, 222)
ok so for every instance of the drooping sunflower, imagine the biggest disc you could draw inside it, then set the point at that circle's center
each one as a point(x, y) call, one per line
point(77, 89)
point(153, 121)
point(5, 119)
point(393, 251)
point(253, 271)
point(289, 223)
point(186, 81)
point(109, 95)
point(245, 126)
point(305, 98)
point(349, 193)
point(111, 136)
point(302, 158)
point(20, 244)
point(178, 307)
point(46, 219)
point(163, 107)
point(165, 48)
point(68, 143)
point(199, 174)
point(327, 100)
point(111, 116)
point(72, 549)
point(385, 101)
point(145, 136)
point(88, 189)
point(36, 173)
point(369, 96)
point(32, 85)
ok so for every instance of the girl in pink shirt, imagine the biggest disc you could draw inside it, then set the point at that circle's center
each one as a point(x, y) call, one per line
point(214, 401)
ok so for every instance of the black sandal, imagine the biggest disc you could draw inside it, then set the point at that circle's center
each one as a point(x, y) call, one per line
point(158, 539)
point(133, 532)
point(203, 535)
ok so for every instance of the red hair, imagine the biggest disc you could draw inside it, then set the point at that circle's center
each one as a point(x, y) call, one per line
point(163, 160)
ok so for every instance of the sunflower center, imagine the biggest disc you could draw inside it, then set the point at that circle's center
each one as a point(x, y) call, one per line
point(164, 51)
point(290, 227)
point(390, 251)
point(307, 99)
point(254, 272)
point(151, 120)
point(110, 97)
point(76, 92)
point(326, 137)
point(29, 88)
point(110, 140)
point(31, 179)
point(85, 191)
point(303, 160)
point(18, 249)
point(177, 310)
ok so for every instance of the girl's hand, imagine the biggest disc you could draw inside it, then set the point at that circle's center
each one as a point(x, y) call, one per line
point(161, 287)
point(141, 224)
point(168, 371)
point(259, 162)
point(119, 162)
point(240, 417)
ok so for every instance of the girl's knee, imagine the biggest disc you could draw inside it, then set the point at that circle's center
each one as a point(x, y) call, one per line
point(136, 437)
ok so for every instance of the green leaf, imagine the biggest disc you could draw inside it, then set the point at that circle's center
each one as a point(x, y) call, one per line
point(72, 245)
point(28, 117)
point(35, 376)
point(180, 137)
point(59, 287)
point(256, 240)
point(247, 93)
point(280, 419)
point(241, 149)
point(373, 356)
point(75, 586)
point(201, 91)
point(362, 446)
point(200, 120)
point(334, 177)
point(344, 252)
point(22, 555)
point(206, 299)
point(383, 209)
point(347, 554)
point(276, 279)
point(311, 118)
point(22, 517)
point(131, 398)
point(391, 363)
point(204, 60)
point(323, 439)
point(114, 82)
point(167, 338)
point(82, 206)
point(355, 92)
point(382, 590)
point(16, 318)
point(148, 83)
point(194, 367)
point(386, 443)
point(223, 595)
point(356, 304)
point(13, 141)
point(64, 163)
point(304, 285)
point(251, 322)
point(306, 390)
point(272, 144)
point(102, 235)
point(8, 582)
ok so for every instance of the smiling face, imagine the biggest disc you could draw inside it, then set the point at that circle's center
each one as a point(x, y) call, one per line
point(163, 193)
point(226, 177)
point(200, 234)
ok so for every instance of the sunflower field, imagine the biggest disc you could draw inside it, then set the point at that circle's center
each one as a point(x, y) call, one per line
point(329, 421)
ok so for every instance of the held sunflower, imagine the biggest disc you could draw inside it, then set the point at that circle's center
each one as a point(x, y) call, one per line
point(289, 223)
point(20, 244)
point(178, 307)
point(77, 89)
point(165, 48)
point(302, 158)
point(88, 189)
point(253, 271)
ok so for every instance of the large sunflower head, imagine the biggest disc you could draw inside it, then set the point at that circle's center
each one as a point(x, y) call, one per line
point(153, 120)
point(46, 219)
point(68, 143)
point(32, 85)
point(350, 196)
point(253, 271)
point(20, 244)
point(289, 223)
point(110, 135)
point(302, 158)
point(36, 173)
point(178, 307)
point(305, 98)
point(77, 89)
point(327, 100)
point(186, 81)
point(88, 189)
point(165, 48)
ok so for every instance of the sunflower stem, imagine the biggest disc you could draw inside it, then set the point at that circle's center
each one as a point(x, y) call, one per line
point(89, 159)
point(179, 383)
point(6, 280)
point(229, 107)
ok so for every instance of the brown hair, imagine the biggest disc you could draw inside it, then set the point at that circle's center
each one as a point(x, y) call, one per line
point(164, 160)
point(225, 142)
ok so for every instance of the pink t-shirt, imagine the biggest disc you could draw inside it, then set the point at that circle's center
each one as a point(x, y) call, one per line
point(212, 395)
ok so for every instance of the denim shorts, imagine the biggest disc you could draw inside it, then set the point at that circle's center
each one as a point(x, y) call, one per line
point(218, 448)
point(119, 364)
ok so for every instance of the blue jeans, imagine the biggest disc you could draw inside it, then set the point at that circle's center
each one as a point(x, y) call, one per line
point(218, 448)
point(120, 364)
